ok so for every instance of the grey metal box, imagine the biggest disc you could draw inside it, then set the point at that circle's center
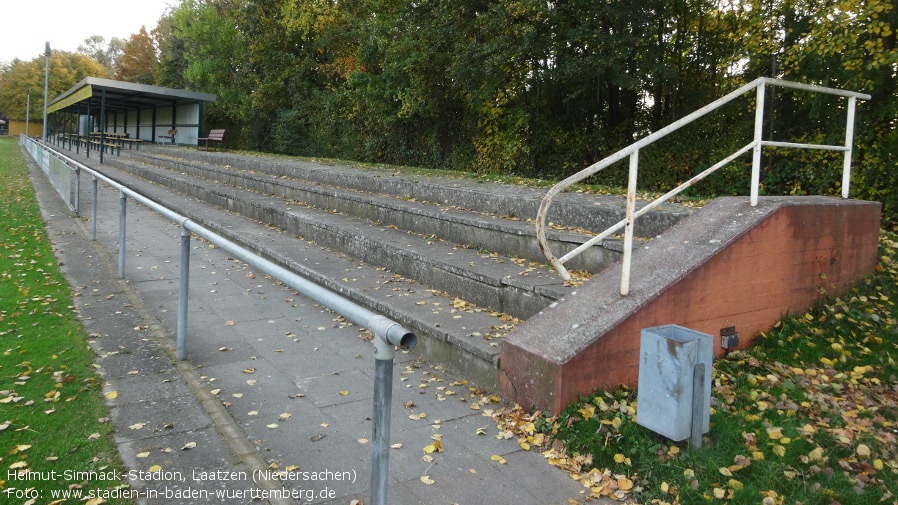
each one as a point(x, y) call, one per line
point(668, 355)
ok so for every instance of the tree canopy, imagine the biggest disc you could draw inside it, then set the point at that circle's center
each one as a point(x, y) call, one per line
point(539, 88)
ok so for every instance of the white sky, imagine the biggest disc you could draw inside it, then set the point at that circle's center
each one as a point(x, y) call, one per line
point(27, 25)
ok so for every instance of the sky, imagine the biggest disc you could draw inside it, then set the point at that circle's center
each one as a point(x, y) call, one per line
point(27, 25)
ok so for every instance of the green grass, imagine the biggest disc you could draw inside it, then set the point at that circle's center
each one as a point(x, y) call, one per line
point(51, 403)
point(807, 415)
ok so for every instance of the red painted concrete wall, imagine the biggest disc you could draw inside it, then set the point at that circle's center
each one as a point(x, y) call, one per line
point(778, 266)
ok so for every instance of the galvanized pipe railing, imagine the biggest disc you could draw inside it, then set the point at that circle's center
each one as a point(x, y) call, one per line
point(632, 152)
point(388, 334)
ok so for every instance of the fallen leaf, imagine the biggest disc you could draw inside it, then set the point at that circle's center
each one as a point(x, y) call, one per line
point(498, 458)
point(112, 395)
point(143, 454)
point(427, 480)
point(189, 445)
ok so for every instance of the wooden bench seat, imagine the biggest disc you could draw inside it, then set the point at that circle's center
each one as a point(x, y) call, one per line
point(171, 135)
point(214, 136)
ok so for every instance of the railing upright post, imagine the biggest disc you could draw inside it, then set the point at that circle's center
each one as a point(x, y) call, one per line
point(631, 217)
point(184, 284)
point(93, 208)
point(849, 140)
point(77, 191)
point(759, 136)
point(123, 207)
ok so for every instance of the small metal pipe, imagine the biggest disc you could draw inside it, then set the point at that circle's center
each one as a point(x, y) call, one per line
point(756, 155)
point(123, 209)
point(628, 231)
point(93, 208)
point(849, 141)
point(183, 290)
point(698, 406)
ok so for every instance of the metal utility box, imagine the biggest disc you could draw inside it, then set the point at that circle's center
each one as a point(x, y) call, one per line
point(668, 355)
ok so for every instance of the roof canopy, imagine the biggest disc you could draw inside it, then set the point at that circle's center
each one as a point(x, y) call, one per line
point(122, 96)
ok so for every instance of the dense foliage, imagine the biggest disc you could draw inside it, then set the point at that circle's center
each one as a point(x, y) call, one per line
point(543, 89)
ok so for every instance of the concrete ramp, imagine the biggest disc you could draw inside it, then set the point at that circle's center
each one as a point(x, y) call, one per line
point(729, 264)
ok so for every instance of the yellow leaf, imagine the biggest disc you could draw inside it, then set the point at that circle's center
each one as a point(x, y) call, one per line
point(155, 468)
point(624, 484)
point(588, 412)
point(619, 458)
point(363, 440)
point(735, 484)
point(719, 493)
point(500, 459)
point(344, 393)
point(143, 454)
point(665, 487)
point(863, 451)
point(725, 472)
point(877, 464)
point(271, 426)
point(775, 433)
point(284, 416)
point(779, 450)
point(112, 395)
point(137, 426)
point(427, 480)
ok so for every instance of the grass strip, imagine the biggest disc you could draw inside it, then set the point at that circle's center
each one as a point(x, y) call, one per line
point(54, 431)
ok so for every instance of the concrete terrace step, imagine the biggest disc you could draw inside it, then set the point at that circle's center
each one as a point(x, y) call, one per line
point(505, 236)
point(456, 333)
point(586, 211)
point(485, 279)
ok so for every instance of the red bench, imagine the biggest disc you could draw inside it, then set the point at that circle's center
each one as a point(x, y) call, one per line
point(214, 136)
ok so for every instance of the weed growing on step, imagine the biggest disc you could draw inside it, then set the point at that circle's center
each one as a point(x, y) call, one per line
point(808, 415)
point(52, 415)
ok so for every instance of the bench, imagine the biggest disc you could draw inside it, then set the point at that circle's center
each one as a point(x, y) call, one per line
point(170, 136)
point(214, 136)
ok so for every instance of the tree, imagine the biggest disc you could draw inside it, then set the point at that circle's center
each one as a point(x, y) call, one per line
point(138, 62)
point(105, 54)
point(172, 60)
point(66, 70)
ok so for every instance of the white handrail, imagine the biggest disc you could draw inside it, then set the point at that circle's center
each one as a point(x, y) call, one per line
point(632, 151)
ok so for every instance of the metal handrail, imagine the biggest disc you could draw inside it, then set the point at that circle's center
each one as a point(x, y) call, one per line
point(632, 151)
point(387, 333)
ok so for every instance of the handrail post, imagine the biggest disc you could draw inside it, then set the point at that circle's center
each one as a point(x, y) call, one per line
point(849, 140)
point(628, 231)
point(77, 191)
point(93, 208)
point(184, 284)
point(387, 335)
point(759, 136)
point(123, 207)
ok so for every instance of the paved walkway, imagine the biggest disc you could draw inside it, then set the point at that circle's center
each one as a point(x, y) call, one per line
point(272, 381)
